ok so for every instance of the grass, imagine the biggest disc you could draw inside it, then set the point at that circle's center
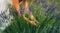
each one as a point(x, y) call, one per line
point(48, 20)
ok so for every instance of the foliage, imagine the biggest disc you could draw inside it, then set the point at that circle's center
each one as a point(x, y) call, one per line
point(46, 12)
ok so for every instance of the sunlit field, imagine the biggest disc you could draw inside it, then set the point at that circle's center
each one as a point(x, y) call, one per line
point(46, 12)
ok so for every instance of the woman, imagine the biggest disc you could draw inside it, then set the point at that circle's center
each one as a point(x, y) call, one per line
point(5, 13)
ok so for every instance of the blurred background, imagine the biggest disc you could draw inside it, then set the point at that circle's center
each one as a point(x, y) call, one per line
point(46, 12)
